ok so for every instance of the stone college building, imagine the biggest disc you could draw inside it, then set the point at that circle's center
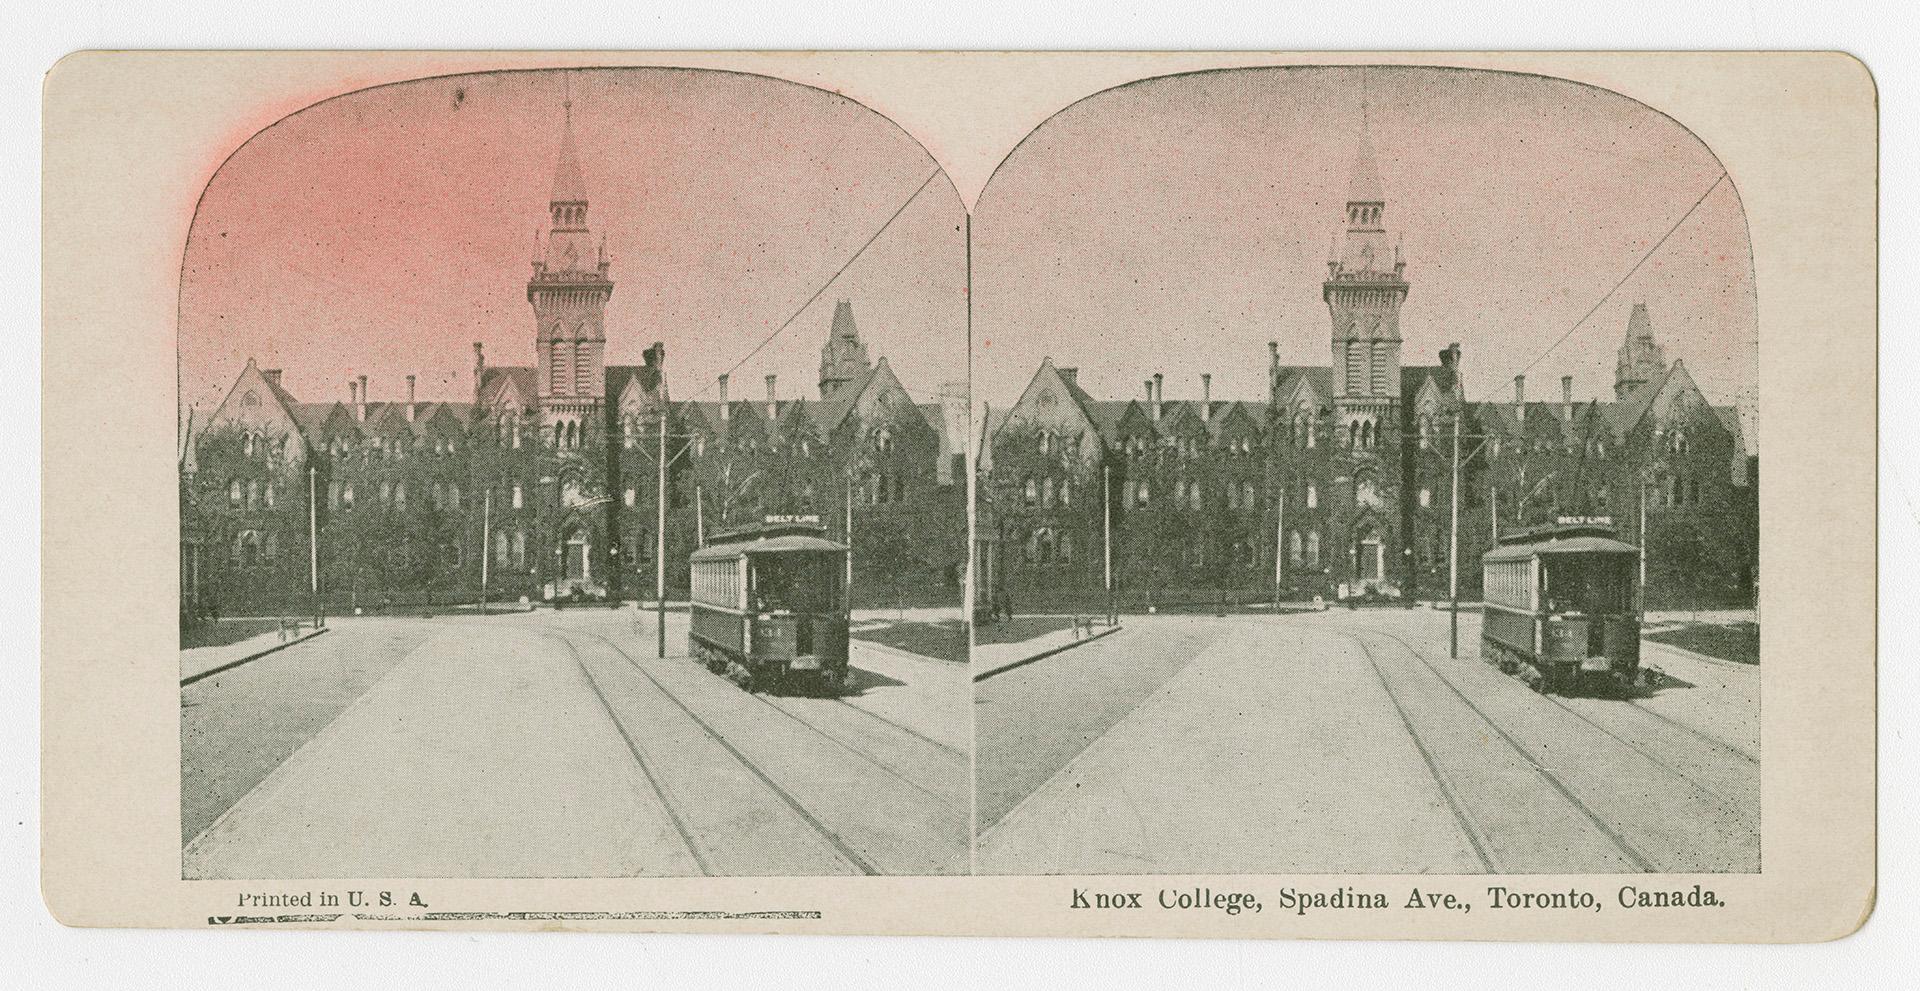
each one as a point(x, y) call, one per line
point(1339, 483)
point(544, 481)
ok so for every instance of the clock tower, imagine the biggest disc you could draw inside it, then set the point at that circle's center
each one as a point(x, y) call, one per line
point(569, 291)
point(1366, 283)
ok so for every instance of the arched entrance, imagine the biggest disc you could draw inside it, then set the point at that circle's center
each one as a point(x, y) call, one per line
point(576, 557)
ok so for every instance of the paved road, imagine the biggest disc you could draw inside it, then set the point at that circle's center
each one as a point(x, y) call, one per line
point(557, 745)
point(1345, 743)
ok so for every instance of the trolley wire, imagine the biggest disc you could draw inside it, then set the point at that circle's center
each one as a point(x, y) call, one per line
point(1717, 180)
point(824, 286)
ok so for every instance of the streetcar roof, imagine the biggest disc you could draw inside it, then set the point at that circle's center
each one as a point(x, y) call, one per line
point(784, 544)
point(1564, 545)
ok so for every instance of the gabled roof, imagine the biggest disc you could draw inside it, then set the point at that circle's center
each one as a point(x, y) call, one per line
point(1228, 412)
point(1412, 377)
point(523, 379)
point(620, 376)
point(1319, 378)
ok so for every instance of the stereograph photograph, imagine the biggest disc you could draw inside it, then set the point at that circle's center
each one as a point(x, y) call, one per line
point(1237, 495)
point(1263, 428)
point(610, 426)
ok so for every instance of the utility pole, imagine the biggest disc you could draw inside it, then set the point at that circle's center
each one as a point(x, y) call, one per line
point(313, 542)
point(1106, 533)
point(847, 589)
point(1279, 540)
point(486, 540)
point(1643, 544)
point(660, 543)
point(1453, 549)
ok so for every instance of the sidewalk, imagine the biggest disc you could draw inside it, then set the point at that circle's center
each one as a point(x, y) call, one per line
point(199, 662)
point(991, 659)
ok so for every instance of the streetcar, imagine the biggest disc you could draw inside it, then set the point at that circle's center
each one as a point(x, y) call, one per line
point(1560, 606)
point(769, 606)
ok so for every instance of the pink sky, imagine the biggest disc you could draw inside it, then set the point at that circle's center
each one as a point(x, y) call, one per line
point(1178, 225)
point(384, 231)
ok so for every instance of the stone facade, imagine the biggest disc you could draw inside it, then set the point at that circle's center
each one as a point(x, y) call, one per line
point(1340, 482)
point(547, 479)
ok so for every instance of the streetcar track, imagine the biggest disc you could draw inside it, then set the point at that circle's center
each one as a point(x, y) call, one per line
point(839, 844)
point(639, 757)
point(1633, 855)
point(1467, 826)
point(1726, 803)
point(1695, 731)
point(856, 751)
point(956, 752)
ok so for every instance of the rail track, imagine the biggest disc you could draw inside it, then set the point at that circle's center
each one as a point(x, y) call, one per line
point(1632, 854)
point(839, 844)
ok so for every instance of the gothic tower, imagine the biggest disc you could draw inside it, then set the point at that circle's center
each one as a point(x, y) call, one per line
point(843, 359)
point(1364, 289)
point(1641, 359)
point(1363, 292)
point(569, 291)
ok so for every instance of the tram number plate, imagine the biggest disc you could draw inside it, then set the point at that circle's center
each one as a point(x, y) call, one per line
point(805, 664)
point(1595, 664)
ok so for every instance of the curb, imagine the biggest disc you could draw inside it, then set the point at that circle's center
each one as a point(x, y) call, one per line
point(230, 665)
point(1703, 658)
point(1049, 652)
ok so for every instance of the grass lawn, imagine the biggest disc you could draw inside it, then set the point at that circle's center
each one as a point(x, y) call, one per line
point(945, 640)
point(226, 631)
point(1739, 642)
point(1019, 629)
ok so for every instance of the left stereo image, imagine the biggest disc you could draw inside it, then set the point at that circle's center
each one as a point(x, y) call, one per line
point(573, 483)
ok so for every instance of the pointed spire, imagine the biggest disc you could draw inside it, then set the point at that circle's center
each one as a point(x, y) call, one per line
point(568, 186)
point(843, 326)
point(1365, 185)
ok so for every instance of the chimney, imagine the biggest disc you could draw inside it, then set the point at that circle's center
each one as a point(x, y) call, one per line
point(1159, 394)
point(773, 405)
point(1566, 397)
point(724, 412)
point(272, 375)
point(1450, 358)
point(1520, 397)
point(1206, 395)
point(1149, 384)
point(409, 399)
point(354, 398)
point(479, 368)
point(361, 413)
point(1273, 352)
point(657, 355)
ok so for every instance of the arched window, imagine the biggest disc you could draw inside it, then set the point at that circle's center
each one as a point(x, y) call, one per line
point(1426, 498)
point(1426, 432)
point(519, 549)
point(1293, 547)
point(1353, 434)
point(500, 548)
point(1247, 499)
point(1142, 495)
point(236, 495)
point(1046, 493)
point(1066, 492)
point(253, 495)
point(1066, 548)
point(1313, 547)
point(399, 495)
point(1193, 496)
point(1313, 496)
point(627, 497)
point(1032, 492)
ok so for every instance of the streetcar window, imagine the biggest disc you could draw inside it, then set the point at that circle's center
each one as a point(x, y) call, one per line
point(808, 582)
point(1588, 584)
